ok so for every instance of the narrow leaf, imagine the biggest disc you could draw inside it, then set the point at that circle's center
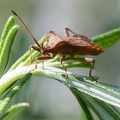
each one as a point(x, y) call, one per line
point(82, 103)
point(6, 48)
point(9, 95)
point(107, 39)
point(81, 83)
point(14, 111)
point(103, 110)
point(9, 24)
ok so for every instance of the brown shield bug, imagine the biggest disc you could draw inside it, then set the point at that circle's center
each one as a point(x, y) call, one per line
point(65, 45)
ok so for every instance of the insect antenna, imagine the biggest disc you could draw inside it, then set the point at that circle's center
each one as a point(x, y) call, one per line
point(26, 27)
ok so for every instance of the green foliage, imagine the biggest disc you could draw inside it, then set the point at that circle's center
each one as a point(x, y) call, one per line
point(101, 98)
point(14, 111)
point(6, 42)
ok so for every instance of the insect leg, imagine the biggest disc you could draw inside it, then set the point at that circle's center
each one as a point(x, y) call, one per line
point(89, 60)
point(90, 72)
point(42, 57)
point(35, 48)
point(61, 59)
point(66, 33)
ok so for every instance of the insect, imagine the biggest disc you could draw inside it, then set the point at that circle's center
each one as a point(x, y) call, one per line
point(65, 45)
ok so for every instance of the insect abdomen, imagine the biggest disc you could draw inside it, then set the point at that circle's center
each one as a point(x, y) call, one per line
point(81, 50)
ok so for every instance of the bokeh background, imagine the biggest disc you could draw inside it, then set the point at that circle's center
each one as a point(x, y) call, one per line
point(49, 99)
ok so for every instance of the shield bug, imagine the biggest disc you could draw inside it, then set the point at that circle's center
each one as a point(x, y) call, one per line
point(65, 45)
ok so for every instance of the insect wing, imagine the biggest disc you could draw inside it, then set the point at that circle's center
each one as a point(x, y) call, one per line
point(55, 40)
point(81, 37)
point(78, 42)
point(84, 46)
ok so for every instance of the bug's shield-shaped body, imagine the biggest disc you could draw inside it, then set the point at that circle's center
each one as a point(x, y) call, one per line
point(76, 44)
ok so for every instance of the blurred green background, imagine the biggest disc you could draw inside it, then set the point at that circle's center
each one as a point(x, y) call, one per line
point(49, 99)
